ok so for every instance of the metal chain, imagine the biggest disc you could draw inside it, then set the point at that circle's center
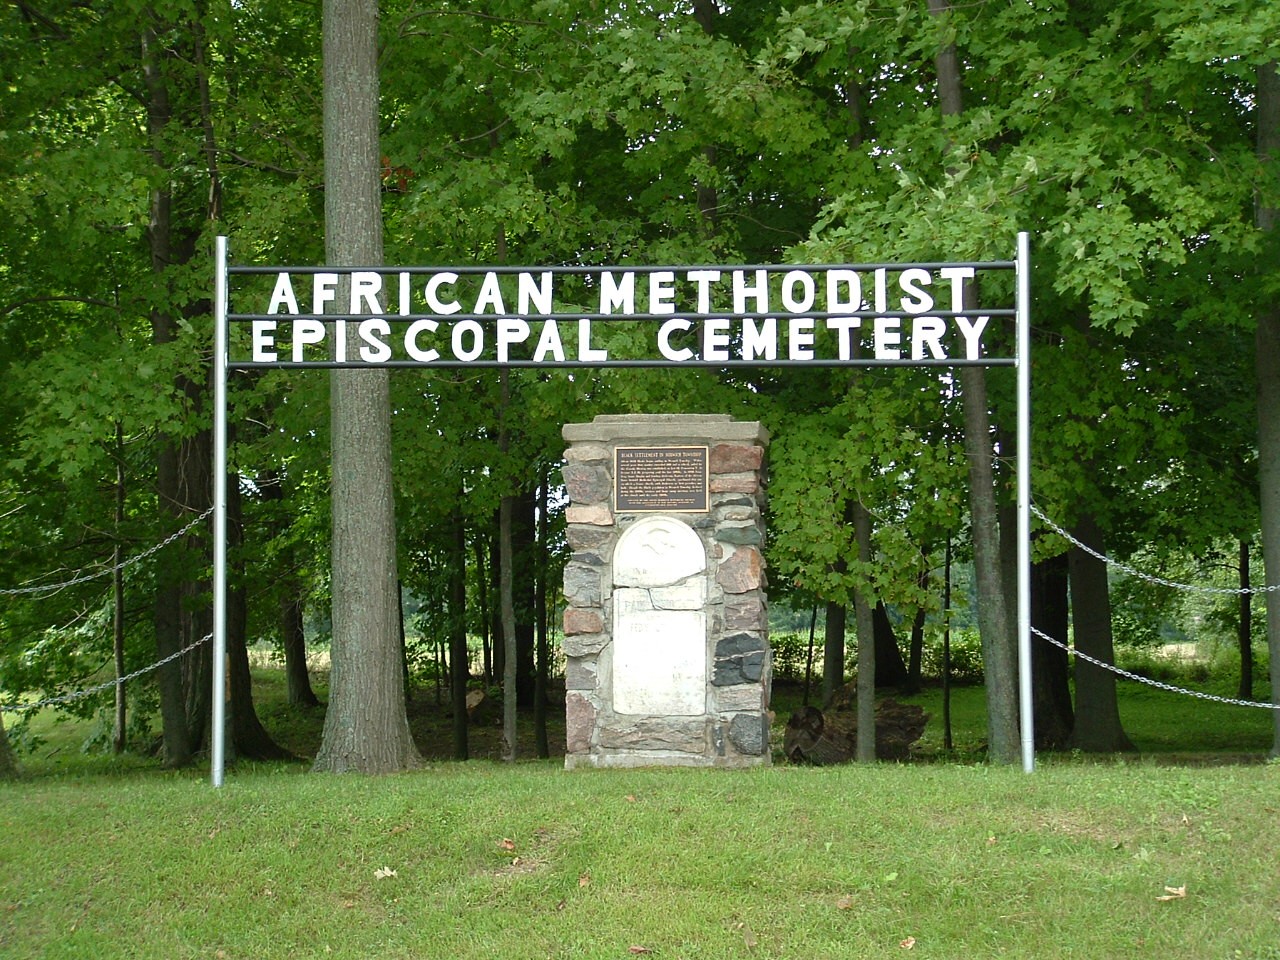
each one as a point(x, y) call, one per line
point(54, 587)
point(81, 694)
point(1158, 684)
point(1146, 576)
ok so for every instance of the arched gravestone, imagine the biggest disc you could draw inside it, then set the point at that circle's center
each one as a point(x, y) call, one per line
point(660, 620)
point(666, 640)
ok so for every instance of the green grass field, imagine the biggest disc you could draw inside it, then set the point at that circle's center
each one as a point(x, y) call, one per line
point(483, 860)
point(1168, 852)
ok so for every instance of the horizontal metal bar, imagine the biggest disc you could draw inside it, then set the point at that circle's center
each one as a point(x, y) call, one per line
point(249, 270)
point(685, 315)
point(604, 364)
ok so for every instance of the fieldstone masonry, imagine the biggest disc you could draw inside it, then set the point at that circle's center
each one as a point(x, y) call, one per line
point(666, 633)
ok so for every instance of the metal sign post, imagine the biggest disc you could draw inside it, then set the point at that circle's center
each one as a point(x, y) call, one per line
point(217, 739)
point(1023, 326)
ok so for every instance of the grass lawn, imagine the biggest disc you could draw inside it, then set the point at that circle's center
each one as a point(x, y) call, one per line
point(484, 860)
point(1117, 858)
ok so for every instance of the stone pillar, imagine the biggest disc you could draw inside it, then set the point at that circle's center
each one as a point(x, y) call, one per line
point(666, 628)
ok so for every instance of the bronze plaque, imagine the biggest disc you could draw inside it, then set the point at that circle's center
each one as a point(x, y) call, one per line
point(660, 479)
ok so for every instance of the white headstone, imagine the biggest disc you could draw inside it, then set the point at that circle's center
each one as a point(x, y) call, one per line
point(657, 552)
point(659, 649)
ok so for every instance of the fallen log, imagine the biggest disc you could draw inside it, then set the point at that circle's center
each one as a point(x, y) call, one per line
point(820, 739)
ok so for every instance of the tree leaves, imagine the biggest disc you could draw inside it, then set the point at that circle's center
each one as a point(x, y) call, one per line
point(1120, 136)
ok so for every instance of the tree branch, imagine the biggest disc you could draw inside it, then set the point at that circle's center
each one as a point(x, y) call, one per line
point(88, 301)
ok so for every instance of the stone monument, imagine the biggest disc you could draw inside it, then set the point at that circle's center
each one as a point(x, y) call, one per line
point(666, 630)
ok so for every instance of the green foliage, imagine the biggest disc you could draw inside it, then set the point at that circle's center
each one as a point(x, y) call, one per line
point(791, 655)
point(1121, 137)
point(1147, 614)
point(964, 652)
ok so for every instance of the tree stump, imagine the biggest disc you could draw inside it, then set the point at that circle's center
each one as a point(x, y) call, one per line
point(479, 707)
point(820, 739)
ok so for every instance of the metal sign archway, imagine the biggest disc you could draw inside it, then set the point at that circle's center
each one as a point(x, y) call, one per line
point(821, 313)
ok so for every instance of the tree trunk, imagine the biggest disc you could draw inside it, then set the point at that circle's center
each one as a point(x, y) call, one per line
point(366, 728)
point(863, 613)
point(946, 646)
point(175, 93)
point(506, 593)
point(994, 625)
point(497, 641)
point(999, 660)
point(1050, 665)
point(459, 672)
point(176, 747)
point(166, 248)
point(808, 659)
point(1097, 720)
point(246, 736)
point(1267, 366)
point(1244, 627)
point(120, 727)
point(891, 669)
point(915, 653)
point(833, 631)
point(835, 627)
point(541, 747)
point(524, 585)
point(509, 654)
point(294, 644)
point(197, 615)
point(8, 762)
